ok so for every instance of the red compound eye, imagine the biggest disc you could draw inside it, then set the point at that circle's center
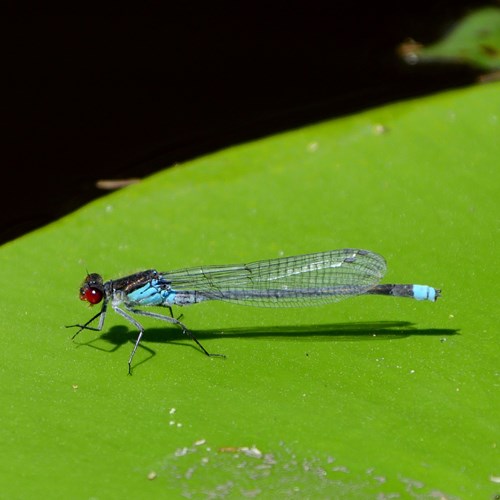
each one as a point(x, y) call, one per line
point(91, 295)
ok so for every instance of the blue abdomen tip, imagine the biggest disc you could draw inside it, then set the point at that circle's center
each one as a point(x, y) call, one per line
point(424, 292)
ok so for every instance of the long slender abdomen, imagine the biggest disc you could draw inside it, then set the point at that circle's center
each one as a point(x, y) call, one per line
point(418, 292)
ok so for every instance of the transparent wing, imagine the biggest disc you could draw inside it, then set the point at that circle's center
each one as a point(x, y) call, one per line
point(290, 281)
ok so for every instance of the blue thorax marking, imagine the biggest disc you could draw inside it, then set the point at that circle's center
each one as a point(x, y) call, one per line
point(154, 293)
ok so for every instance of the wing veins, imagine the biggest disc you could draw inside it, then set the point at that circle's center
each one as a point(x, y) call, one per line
point(312, 271)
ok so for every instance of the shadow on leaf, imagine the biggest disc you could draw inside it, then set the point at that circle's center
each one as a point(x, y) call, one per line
point(336, 332)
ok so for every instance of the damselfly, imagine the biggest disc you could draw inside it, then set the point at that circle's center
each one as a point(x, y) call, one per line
point(304, 280)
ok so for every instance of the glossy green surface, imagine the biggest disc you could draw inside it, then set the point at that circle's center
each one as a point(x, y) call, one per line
point(367, 398)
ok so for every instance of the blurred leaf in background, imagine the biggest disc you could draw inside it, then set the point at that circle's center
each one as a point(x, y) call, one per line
point(474, 41)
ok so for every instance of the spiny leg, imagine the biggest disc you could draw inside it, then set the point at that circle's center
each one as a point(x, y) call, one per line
point(184, 328)
point(138, 326)
point(86, 326)
point(172, 313)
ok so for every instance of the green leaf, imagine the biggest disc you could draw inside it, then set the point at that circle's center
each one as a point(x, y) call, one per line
point(373, 396)
point(475, 41)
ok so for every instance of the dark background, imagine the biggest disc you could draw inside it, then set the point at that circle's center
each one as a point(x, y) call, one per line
point(116, 97)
